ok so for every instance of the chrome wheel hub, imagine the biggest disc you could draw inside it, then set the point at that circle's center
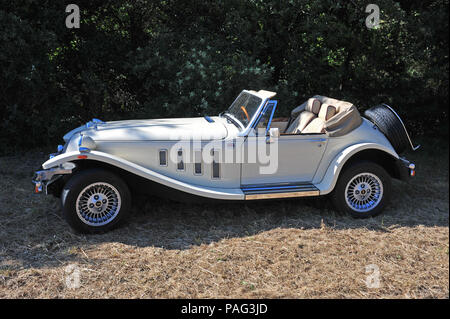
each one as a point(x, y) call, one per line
point(98, 204)
point(364, 192)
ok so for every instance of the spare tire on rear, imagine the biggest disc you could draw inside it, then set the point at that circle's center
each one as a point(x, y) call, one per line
point(390, 124)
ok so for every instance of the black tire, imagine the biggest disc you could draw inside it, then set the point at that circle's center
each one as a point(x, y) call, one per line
point(339, 195)
point(88, 177)
point(389, 124)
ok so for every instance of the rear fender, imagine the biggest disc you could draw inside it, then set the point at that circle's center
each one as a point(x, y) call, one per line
point(326, 185)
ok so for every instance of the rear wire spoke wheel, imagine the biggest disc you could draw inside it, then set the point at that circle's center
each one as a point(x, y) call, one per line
point(363, 189)
point(364, 192)
point(95, 201)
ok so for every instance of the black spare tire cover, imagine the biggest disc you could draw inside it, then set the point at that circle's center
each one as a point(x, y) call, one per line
point(391, 126)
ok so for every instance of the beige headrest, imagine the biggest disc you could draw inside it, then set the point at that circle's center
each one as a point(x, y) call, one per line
point(338, 104)
point(327, 111)
point(313, 106)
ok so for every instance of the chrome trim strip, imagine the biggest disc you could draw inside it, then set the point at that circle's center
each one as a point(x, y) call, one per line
point(281, 187)
point(282, 195)
point(410, 142)
point(269, 188)
point(284, 190)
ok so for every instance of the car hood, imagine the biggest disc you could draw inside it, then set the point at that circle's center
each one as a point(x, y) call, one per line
point(155, 129)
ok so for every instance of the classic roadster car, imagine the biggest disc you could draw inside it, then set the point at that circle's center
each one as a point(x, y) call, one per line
point(245, 153)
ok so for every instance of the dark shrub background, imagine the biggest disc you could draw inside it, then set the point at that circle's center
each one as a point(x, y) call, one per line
point(148, 59)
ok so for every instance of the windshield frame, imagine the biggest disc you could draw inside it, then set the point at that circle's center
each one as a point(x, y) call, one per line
point(244, 129)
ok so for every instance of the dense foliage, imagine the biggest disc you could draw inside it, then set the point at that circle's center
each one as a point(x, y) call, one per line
point(143, 59)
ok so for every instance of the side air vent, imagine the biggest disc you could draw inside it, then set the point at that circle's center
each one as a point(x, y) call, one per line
point(198, 163)
point(215, 164)
point(180, 162)
point(163, 157)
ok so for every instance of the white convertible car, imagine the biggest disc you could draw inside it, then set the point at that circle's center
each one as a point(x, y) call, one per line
point(244, 153)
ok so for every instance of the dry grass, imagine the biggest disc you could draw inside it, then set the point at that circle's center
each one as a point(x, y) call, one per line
point(289, 249)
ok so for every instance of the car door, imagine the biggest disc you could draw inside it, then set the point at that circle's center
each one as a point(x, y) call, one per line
point(289, 158)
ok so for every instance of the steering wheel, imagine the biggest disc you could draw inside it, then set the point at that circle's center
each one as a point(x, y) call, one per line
point(245, 112)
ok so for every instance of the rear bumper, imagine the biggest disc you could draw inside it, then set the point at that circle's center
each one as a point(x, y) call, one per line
point(405, 169)
point(43, 179)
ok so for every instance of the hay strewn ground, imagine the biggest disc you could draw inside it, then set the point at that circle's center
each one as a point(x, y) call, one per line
point(294, 249)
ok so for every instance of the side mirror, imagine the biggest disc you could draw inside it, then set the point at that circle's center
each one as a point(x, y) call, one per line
point(274, 133)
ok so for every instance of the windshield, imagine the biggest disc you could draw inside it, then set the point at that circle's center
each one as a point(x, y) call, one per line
point(244, 108)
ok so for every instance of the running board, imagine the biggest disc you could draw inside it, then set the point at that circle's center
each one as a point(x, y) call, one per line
point(267, 191)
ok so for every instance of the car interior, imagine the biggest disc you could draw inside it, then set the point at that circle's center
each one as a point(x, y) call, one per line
point(320, 115)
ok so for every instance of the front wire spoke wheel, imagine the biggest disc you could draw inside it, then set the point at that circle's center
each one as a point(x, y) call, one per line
point(98, 204)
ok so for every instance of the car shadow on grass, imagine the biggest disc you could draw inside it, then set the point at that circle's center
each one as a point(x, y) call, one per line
point(172, 225)
point(49, 242)
point(34, 234)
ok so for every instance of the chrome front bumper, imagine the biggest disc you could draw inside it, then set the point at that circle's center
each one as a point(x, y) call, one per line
point(42, 179)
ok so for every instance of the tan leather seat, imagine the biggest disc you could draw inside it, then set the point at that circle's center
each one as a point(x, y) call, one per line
point(318, 124)
point(308, 112)
point(346, 119)
point(321, 114)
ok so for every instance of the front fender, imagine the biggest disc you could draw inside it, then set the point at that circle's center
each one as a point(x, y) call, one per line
point(209, 192)
point(326, 185)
